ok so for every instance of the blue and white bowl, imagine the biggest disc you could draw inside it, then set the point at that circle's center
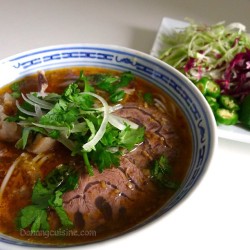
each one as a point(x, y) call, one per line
point(185, 94)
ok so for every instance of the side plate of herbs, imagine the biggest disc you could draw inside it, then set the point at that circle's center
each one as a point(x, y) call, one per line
point(166, 38)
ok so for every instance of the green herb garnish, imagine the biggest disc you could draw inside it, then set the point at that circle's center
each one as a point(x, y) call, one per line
point(16, 91)
point(48, 195)
point(161, 173)
point(148, 98)
point(113, 85)
point(80, 120)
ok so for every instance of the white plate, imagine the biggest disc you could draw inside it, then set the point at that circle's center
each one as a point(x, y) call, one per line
point(167, 26)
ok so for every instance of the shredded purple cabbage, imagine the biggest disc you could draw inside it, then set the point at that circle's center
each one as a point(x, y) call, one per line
point(189, 65)
point(236, 79)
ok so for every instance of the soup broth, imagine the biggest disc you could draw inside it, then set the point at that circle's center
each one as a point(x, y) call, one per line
point(104, 202)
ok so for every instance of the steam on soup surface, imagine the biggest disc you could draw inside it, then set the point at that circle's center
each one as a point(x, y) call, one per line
point(86, 154)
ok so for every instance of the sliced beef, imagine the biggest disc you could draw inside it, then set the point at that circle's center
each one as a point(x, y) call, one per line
point(118, 192)
point(42, 82)
point(140, 116)
point(160, 135)
point(9, 131)
point(8, 103)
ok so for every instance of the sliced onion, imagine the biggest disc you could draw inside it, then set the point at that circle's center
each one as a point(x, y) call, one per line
point(120, 122)
point(99, 134)
point(111, 108)
point(43, 104)
point(116, 123)
point(27, 100)
point(38, 110)
point(114, 108)
point(25, 111)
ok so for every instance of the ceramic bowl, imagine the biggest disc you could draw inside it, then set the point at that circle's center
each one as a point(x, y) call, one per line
point(185, 94)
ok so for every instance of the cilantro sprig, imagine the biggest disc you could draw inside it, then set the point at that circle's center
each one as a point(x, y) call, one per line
point(16, 91)
point(113, 85)
point(108, 150)
point(161, 171)
point(48, 195)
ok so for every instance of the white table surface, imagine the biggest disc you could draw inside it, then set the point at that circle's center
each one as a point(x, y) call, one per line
point(217, 214)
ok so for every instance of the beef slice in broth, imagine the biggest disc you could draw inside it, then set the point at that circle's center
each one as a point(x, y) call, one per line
point(123, 195)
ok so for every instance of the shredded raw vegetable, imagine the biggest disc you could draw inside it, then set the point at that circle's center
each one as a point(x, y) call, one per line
point(201, 50)
point(218, 53)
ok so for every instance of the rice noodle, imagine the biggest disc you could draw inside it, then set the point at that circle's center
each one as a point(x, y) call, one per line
point(160, 103)
point(174, 110)
point(9, 173)
point(37, 158)
point(91, 144)
point(38, 161)
point(159, 107)
point(43, 158)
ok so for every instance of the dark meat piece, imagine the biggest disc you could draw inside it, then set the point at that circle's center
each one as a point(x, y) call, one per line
point(9, 131)
point(42, 82)
point(9, 104)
